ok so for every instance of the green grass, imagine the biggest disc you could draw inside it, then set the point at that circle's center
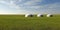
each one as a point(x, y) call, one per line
point(19, 22)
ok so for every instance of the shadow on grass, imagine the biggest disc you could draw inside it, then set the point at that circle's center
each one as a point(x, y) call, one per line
point(28, 28)
point(22, 28)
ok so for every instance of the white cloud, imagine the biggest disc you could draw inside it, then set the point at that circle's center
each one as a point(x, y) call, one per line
point(32, 2)
point(29, 6)
point(12, 3)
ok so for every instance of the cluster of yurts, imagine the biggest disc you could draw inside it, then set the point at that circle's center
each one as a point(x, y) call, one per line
point(38, 15)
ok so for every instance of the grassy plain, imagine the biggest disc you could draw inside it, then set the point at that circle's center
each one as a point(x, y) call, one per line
point(19, 22)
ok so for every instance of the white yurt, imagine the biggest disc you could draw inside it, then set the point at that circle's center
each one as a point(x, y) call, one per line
point(29, 15)
point(49, 15)
point(39, 15)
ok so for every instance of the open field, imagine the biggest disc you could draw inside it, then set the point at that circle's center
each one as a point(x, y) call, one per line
point(19, 22)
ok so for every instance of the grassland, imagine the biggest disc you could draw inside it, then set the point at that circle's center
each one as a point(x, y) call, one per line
point(19, 22)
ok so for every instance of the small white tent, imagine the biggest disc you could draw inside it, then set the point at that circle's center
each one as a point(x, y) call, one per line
point(49, 15)
point(29, 15)
point(39, 15)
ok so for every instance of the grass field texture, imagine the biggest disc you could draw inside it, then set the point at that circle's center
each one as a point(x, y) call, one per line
point(19, 22)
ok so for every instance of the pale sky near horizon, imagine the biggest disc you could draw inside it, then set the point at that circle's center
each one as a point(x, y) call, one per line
point(29, 6)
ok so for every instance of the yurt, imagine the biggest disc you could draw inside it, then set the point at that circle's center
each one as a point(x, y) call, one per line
point(49, 15)
point(29, 15)
point(39, 15)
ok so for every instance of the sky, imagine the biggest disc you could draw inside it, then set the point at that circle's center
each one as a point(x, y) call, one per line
point(29, 6)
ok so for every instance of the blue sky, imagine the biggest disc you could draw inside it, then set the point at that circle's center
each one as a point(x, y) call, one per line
point(29, 6)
